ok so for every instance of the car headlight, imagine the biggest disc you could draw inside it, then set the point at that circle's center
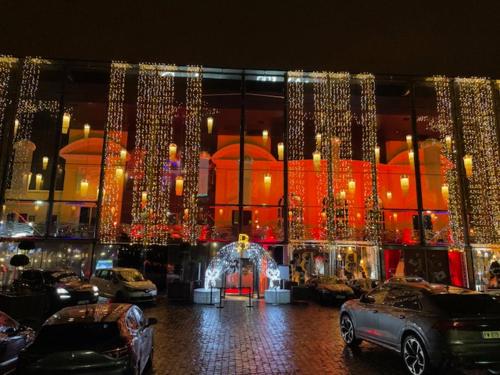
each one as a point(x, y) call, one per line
point(95, 289)
point(63, 293)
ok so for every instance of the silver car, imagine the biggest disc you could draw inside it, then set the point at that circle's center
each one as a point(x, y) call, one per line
point(430, 325)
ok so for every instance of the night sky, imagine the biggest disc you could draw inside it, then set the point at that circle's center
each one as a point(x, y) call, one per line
point(398, 37)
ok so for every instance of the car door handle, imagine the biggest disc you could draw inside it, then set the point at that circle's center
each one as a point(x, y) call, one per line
point(401, 316)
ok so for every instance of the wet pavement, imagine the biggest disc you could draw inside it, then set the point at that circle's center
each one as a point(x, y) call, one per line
point(265, 339)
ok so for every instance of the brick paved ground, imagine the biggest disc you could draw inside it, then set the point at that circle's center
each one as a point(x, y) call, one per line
point(263, 340)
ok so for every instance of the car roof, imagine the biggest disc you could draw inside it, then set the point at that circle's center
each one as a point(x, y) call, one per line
point(96, 313)
point(429, 288)
point(123, 269)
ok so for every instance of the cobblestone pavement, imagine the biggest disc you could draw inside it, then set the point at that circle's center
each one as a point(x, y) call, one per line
point(265, 339)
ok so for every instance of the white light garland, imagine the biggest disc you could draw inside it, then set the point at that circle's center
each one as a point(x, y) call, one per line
point(191, 156)
point(113, 155)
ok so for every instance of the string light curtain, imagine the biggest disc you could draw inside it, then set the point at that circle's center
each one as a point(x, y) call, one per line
point(296, 153)
point(27, 106)
point(113, 155)
point(322, 128)
point(445, 126)
point(342, 131)
point(481, 143)
point(191, 155)
point(6, 63)
point(369, 143)
point(152, 182)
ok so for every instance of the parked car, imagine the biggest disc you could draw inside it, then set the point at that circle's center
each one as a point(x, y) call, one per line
point(92, 339)
point(430, 325)
point(124, 284)
point(13, 338)
point(63, 287)
point(331, 290)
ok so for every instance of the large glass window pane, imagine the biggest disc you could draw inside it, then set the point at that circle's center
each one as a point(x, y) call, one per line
point(30, 165)
point(263, 174)
point(79, 161)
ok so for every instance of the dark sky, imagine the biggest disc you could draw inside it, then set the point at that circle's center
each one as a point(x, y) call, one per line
point(398, 37)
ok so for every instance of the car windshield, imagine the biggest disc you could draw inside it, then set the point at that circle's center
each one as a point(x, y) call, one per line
point(463, 304)
point(65, 277)
point(130, 275)
point(77, 336)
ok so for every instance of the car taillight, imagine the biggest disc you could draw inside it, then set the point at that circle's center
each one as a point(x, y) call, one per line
point(458, 325)
point(121, 352)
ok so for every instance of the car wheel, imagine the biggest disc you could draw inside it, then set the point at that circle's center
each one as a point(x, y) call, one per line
point(347, 331)
point(414, 356)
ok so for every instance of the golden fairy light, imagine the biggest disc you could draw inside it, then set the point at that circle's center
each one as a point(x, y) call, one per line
point(65, 122)
point(468, 165)
point(119, 173)
point(38, 181)
point(317, 160)
point(265, 136)
point(448, 142)
point(179, 185)
point(210, 124)
point(342, 194)
point(172, 151)
point(351, 186)
point(281, 149)
point(405, 183)
point(86, 131)
point(409, 141)
point(123, 155)
point(318, 140)
point(16, 126)
point(144, 197)
point(267, 182)
point(377, 154)
point(84, 187)
point(445, 192)
point(411, 159)
point(388, 195)
point(45, 162)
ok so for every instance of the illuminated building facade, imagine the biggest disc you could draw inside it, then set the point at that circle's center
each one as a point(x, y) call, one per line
point(343, 173)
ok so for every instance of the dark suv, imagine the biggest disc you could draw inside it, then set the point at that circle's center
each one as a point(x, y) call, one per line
point(429, 324)
point(103, 338)
point(62, 287)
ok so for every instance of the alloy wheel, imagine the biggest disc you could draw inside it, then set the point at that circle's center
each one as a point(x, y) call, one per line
point(347, 329)
point(414, 356)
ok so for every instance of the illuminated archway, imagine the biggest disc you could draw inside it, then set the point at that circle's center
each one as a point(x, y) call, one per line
point(232, 253)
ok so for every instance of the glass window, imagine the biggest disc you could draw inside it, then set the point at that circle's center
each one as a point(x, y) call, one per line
point(378, 295)
point(263, 176)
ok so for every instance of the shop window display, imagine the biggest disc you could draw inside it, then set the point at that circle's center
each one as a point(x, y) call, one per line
point(487, 268)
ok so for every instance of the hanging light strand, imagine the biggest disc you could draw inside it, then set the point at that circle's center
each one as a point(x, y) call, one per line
point(152, 182)
point(6, 63)
point(192, 152)
point(112, 188)
point(322, 122)
point(339, 84)
point(27, 106)
point(481, 144)
point(444, 125)
point(296, 153)
point(369, 142)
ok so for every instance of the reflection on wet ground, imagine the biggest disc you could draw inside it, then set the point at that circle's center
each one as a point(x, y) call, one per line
point(265, 339)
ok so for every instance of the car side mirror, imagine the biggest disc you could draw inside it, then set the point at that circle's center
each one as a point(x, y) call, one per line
point(365, 298)
point(11, 331)
point(152, 321)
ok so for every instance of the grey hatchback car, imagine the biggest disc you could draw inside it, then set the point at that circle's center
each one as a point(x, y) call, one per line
point(430, 325)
